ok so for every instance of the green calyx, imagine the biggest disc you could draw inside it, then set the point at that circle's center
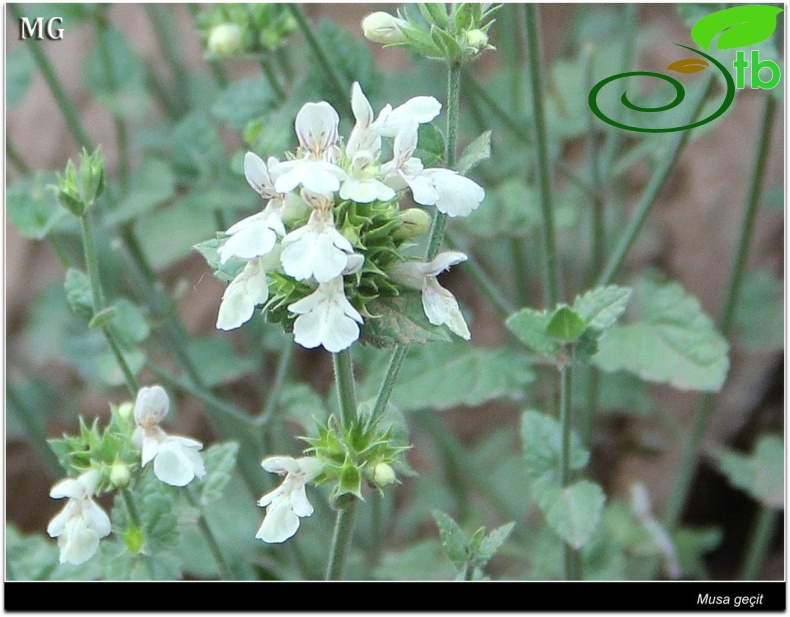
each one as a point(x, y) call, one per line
point(351, 454)
point(77, 190)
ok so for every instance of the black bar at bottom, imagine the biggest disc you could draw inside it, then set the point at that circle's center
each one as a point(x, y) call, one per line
point(484, 596)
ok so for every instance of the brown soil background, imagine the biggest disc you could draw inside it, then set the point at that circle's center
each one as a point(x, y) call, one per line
point(697, 219)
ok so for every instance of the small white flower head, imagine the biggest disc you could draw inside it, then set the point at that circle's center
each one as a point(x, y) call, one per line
point(381, 27)
point(417, 110)
point(81, 523)
point(362, 184)
point(224, 40)
point(249, 289)
point(439, 304)
point(326, 318)
point(253, 236)
point(316, 250)
point(362, 137)
point(259, 176)
point(286, 504)
point(177, 460)
point(456, 195)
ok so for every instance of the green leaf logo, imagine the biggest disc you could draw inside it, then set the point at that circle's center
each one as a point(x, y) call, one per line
point(739, 26)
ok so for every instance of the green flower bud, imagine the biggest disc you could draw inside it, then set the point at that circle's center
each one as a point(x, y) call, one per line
point(476, 39)
point(119, 475)
point(381, 27)
point(125, 410)
point(383, 475)
point(224, 40)
point(414, 222)
point(134, 540)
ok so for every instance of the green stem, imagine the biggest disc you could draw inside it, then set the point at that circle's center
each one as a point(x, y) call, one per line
point(759, 542)
point(136, 521)
point(385, 391)
point(279, 378)
point(346, 388)
point(35, 432)
point(571, 557)
point(689, 458)
point(271, 77)
point(15, 158)
point(376, 529)
point(224, 571)
point(64, 102)
point(165, 30)
point(551, 271)
point(341, 541)
point(647, 201)
point(63, 256)
point(285, 63)
point(315, 46)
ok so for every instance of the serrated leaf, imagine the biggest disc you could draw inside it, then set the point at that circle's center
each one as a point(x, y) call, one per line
point(531, 328)
point(440, 377)
point(674, 342)
point(688, 65)
point(400, 320)
point(574, 511)
point(452, 537)
point(541, 438)
point(219, 459)
point(476, 152)
point(761, 474)
point(78, 293)
point(601, 307)
point(491, 543)
point(759, 316)
point(565, 324)
point(740, 26)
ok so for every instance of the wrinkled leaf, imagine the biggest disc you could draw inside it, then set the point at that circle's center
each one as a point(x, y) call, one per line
point(601, 307)
point(674, 341)
point(476, 152)
point(128, 323)
point(492, 542)
point(31, 208)
point(400, 320)
point(219, 459)
point(78, 293)
point(740, 26)
point(531, 328)
point(565, 324)
point(541, 438)
point(574, 511)
point(155, 233)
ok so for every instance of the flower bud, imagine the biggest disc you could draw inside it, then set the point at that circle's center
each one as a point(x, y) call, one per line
point(224, 40)
point(381, 27)
point(414, 222)
point(476, 39)
point(119, 475)
point(125, 410)
point(383, 475)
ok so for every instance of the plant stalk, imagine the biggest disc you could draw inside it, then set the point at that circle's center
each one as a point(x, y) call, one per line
point(341, 541)
point(211, 541)
point(759, 542)
point(271, 77)
point(307, 30)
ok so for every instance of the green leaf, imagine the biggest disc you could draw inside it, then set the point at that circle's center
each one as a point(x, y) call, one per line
point(150, 184)
point(217, 360)
point(453, 538)
point(574, 511)
point(219, 459)
point(242, 101)
point(531, 328)
point(400, 320)
point(674, 342)
point(692, 545)
point(301, 404)
point(78, 293)
point(440, 377)
point(492, 542)
point(113, 65)
point(102, 318)
point(759, 316)
point(197, 149)
point(413, 561)
point(35, 557)
point(740, 26)
point(110, 372)
point(128, 323)
point(476, 152)
point(19, 72)
point(602, 306)
point(541, 437)
point(565, 324)
point(32, 209)
point(761, 474)
point(430, 145)
point(510, 210)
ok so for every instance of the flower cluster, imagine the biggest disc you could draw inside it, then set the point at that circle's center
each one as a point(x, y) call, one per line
point(105, 460)
point(234, 29)
point(331, 236)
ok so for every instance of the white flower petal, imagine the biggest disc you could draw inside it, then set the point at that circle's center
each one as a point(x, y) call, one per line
point(58, 522)
point(97, 519)
point(172, 466)
point(326, 318)
point(443, 261)
point(316, 127)
point(441, 307)
point(279, 524)
point(252, 237)
point(420, 109)
point(151, 439)
point(257, 173)
point(366, 190)
point(235, 309)
point(68, 487)
point(150, 406)
point(78, 544)
point(316, 250)
point(281, 465)
point(457, 195)
point(299, 504)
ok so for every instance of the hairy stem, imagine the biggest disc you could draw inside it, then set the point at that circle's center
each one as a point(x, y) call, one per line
point(759, 542)
point(315, 46)
point(166, 34)
point(341, 541)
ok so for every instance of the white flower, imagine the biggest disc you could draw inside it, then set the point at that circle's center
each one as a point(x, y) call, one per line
point(327, 318)
point(316, 127)
point(381, 27)
point(249, 289)
point(316, 249)
point(288, 502)
point(362, 137)
point(451, 193)
point(176, 459)
point(81, 523)
point(253, 236)
point(362, 186)
point(440, 305)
